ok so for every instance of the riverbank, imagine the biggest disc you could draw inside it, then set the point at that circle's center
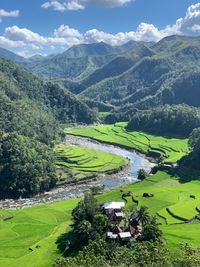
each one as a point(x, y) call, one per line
point(166, 150)
point(126, 176)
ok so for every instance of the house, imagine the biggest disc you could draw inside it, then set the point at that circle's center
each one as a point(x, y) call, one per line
point(124, 236)
point(117, 206)
point(114, 210)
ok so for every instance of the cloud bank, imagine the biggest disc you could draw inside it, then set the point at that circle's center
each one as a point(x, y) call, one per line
point(65, 36)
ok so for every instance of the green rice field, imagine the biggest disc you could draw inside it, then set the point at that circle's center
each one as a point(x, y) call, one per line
point(39, 227)
point(75, 163)
point(171, 149)
point(28, 236)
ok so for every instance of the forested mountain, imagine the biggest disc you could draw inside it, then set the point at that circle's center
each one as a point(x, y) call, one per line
point(168, 76)
point(79, 61)
point(23, 91)
point(118, 65)
point(31, 112)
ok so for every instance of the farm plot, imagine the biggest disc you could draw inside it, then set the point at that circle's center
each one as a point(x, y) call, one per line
point(29, 237)
point(168, 193)
point(83, 163)
point(171, 149)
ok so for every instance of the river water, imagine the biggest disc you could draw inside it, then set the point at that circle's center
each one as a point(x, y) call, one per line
point(127, 176)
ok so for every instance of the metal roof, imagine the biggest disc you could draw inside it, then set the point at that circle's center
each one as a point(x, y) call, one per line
point(124, 235)
point(113, 205)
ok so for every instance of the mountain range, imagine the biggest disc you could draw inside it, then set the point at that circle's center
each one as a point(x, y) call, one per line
point(136, 75)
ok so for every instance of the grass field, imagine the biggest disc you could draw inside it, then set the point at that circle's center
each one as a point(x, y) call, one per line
point(27, 228)
point(171, 148)
point(75, 163)
point(41, 225)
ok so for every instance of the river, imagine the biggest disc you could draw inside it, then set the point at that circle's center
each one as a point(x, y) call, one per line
point(127, 176)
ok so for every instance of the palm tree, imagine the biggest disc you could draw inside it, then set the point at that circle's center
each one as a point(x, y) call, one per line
point(143, 215)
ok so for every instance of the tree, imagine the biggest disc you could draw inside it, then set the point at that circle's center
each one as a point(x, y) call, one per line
point(143, 215)
point(27, 166)
point(142, 174)
point(151, 231)
point(190, 256)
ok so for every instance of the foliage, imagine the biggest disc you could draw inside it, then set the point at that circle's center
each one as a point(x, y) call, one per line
point(151, 231)
point(168, 75)
point(193, 159)
point(88, 224)
point(27, 166)
point(35, 108)
point(190, 256)
point(142, 174)
point(177, 120)
point(107, 254)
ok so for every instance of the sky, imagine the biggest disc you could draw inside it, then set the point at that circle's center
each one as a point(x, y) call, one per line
point(52, 26)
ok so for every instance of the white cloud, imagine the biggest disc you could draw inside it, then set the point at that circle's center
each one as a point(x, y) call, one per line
point(62, 5)
point(64, 36)
point(15, 33)
point(4, 13)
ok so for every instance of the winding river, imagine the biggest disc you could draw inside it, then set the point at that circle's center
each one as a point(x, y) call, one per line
point(127, 176)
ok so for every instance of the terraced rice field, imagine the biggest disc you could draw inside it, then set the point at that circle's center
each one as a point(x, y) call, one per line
point(75, 163)
point(28, 236)
point(170, 194)
point(37, 228)
point(171, 149)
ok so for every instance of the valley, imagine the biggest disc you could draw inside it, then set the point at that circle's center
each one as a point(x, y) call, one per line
point(171, 201)
point(101, 123)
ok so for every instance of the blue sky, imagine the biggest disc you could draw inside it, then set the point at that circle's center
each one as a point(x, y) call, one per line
point(51, 26)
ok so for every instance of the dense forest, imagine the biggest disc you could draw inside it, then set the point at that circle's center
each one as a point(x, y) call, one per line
point(27, 166)
point(175, 120)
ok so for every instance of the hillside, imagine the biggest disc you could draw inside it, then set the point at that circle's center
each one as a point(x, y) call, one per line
point(6, 54)
point(31, 114)
point(28, 103)
point(155, 79)
point(79, 61)
point(118, 65)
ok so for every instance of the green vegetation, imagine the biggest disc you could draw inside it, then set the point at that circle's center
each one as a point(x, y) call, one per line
point(91, 57)
point(170, 74)
point(35, 110)
point(28, 236)
point(76, 163)
point(192, 161)
point(176, 120)
point(51, 220)
point(170, 149)
point(88, 238)
point(27, 166)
